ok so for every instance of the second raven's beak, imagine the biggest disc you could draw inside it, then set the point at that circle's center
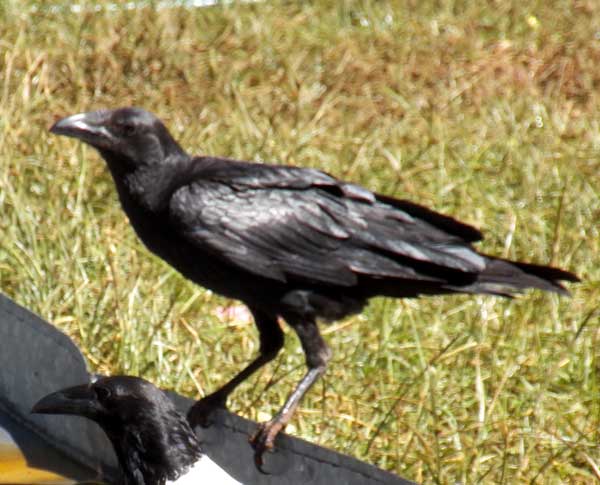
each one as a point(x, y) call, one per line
point(78, 400)
point(88, 127)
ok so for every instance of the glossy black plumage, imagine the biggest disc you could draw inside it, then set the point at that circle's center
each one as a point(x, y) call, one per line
point(287, 241)
point(153, 442)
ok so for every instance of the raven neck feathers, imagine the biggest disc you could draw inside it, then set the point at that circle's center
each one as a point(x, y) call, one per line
point(149, 186)
point(160, 447)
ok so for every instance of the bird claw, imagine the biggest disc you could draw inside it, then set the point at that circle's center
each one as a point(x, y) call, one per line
point(264, 439)
point(203, 410)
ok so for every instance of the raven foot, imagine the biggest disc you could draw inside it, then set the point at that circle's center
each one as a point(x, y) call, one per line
point(264, 438)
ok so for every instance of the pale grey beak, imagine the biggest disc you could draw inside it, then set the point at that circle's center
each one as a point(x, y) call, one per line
point(87, 127)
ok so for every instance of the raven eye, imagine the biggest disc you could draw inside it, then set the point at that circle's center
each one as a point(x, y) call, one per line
point(125, 128)
point(128, 129)
point(102, 393)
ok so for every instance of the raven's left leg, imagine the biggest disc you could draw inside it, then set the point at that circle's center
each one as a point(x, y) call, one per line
point(271, 341)
point(317, 355)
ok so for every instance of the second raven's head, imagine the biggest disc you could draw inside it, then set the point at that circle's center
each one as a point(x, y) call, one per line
point(150, 437)
point(127, 138)
point(110, 401)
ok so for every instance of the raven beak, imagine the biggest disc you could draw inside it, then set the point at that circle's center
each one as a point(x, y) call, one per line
point(88, 127)
point(78, 400)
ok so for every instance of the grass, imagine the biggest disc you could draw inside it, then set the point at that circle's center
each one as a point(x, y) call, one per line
point(484, 110)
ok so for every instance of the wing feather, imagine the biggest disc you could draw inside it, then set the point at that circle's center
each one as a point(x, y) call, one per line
point(288, 223)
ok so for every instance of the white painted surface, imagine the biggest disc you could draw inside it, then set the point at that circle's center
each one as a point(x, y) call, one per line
point(206, 471)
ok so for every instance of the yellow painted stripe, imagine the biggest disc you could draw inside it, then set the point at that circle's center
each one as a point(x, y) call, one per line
point(14, 470)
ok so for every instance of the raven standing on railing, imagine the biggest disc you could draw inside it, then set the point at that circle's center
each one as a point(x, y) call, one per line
point(289, 242)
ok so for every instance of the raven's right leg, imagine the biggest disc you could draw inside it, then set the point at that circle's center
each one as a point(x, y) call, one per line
point(271, 341)
point(317, 355)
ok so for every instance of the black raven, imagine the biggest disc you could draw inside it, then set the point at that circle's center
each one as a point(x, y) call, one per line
point(289, 242)
point(154, 444)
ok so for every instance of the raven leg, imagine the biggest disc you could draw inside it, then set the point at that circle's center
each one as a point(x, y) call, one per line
point(317, 355)
point(271, 341)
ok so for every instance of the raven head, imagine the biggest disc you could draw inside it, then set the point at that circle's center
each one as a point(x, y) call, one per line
point(151, 439)
point(107, 400)
point(129, 137)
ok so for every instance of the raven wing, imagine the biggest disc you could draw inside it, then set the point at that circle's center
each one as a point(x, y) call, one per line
point(290, 223)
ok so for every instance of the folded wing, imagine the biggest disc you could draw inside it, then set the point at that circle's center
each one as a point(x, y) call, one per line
point(294, 224)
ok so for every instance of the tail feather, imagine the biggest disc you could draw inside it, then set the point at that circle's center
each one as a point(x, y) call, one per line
point(506, 278)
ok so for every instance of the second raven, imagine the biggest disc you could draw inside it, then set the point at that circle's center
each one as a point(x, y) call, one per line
point(289, 242)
